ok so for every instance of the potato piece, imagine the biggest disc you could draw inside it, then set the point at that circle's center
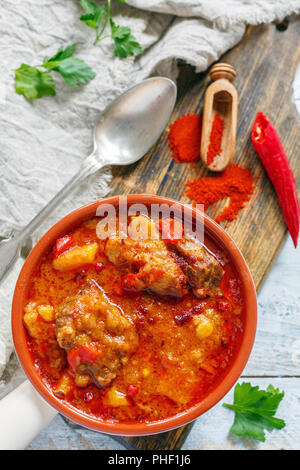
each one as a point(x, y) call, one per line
point(142, 228)
point(82, 380)
point(46, 312)
point(116, 398)
point(92, 223)
point(64, 386)
point(204, 327)
point(76, 257)
point(30, 317)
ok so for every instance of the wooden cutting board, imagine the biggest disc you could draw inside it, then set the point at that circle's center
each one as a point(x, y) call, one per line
point(266, 61)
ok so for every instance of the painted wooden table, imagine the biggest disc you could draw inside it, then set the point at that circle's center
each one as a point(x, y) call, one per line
point(266, 62)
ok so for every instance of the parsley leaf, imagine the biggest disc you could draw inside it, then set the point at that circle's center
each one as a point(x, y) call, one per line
point(74, 71)
point(89, 7)
point(62, 54)
point(33, 83)
point(94, 15)
point(98, 17)
point(125, 42)
point(255, 410)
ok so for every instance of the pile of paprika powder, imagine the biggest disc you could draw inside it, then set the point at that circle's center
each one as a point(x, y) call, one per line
point(215, 139)
point(235, 182)
point(185, 137)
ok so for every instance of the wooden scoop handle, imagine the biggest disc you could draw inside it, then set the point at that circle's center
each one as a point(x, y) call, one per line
point(220, 98)
point(222, 70)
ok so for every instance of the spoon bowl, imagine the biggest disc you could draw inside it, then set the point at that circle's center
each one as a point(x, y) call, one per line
point(133, 122)
point(126, 130)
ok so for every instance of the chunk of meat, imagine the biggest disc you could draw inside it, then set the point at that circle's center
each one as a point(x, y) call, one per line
point(203, 270)
point(96, 334)
point(150, 264)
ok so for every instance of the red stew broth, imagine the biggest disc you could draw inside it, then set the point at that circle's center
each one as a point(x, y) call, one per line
point(165, 371)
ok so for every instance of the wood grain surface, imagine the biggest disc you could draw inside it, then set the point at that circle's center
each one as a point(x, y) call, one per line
point(266, 61)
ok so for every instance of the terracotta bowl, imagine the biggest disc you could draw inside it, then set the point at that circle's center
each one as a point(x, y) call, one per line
point(219, 237)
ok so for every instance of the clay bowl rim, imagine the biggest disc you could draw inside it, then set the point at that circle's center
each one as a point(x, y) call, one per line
point(219, 236)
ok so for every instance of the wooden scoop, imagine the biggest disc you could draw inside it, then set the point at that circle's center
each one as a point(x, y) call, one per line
point(220, 98)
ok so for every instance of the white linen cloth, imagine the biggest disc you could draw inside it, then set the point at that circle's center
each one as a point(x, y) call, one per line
point(43, 141)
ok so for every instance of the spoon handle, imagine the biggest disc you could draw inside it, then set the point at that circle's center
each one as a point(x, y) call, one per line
point(10, 249)
point(23, 415)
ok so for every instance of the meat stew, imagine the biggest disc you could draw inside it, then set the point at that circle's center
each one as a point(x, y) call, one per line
point(133, 330)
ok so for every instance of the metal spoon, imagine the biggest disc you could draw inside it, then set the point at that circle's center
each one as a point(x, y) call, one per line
point(126, 130)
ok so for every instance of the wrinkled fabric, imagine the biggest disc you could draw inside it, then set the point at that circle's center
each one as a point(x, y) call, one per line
point(44, 141)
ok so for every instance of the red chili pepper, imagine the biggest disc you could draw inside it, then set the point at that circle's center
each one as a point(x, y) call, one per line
point(270, 150)
point(62, 244)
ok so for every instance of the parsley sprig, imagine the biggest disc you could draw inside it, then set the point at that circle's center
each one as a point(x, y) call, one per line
point(34, 83)
point(99, 17)
point(255, 410)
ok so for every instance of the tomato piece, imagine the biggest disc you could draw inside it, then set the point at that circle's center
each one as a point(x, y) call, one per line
point(73, 358)
point(170, 229)
point(62, 244)
point(88, 353)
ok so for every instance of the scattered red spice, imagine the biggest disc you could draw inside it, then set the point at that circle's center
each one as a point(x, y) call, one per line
point(132, 390)
point(222, 305)
point(80, 275)
point(183, 317)
point(99, 267)
point(88, 397)
point(235, 183)
point(215, 139)
point(193, 165)
point(185, 138)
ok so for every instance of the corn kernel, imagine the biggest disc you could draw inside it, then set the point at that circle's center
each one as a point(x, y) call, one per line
point(146, 372)
point(46, 312)
point(204, 328)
